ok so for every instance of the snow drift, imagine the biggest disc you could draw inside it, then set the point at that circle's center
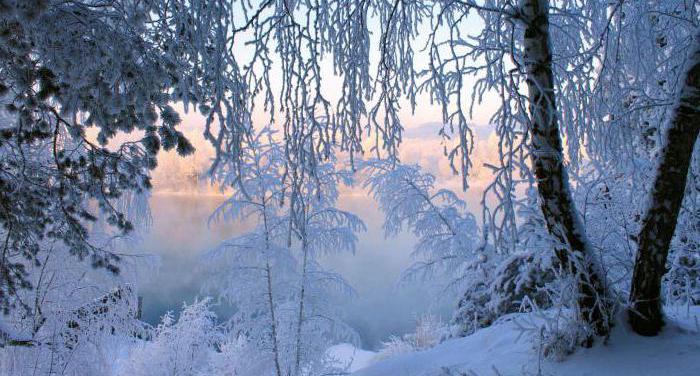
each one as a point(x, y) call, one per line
point(510, 347)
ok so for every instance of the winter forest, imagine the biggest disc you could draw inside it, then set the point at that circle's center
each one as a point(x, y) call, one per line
point(349, 187)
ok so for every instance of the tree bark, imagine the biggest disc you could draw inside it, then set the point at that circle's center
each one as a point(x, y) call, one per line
point(557, 205)
point(659, 223)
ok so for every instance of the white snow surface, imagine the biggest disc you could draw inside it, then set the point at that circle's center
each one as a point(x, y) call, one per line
point(351, 357)
point(506, 349)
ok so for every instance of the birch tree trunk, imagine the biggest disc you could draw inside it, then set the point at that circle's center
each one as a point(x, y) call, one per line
point(557, 205)
point(270, 298)
point(302, 296)
point(659, 222)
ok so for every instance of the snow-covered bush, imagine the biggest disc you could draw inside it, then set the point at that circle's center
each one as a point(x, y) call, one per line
point(393, 346)
point(519, 278)
point(683, 280)
point(522, 280)
point(76, 337)
point(177, 347)
point(555, 333)
point(517, 284)
point(473, 310)
point(429, 332)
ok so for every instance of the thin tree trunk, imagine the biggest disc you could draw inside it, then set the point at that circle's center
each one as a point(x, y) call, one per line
point(557, 205)
point(270, 300)
point(659, 223)
point(302, 293)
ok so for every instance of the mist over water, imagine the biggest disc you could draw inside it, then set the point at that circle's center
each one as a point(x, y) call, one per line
point(180, 235)
point(182, 203)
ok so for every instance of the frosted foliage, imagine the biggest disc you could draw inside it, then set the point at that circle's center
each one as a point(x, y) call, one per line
point(429, 332)
point(449, 241)
point(577, 82)
point(449, 244)
point(289, 40)
point(611, 216)
point(594, 64)
point(643, 57)
point(90, 91)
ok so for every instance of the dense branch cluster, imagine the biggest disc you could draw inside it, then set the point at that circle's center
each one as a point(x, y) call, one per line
point(76, 77)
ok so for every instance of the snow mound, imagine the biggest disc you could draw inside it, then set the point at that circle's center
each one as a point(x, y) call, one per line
point(350, 356)
point(505, 349)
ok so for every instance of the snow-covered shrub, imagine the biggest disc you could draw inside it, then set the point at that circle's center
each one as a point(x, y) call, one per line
point(177, 347)
point(74, 319)
point(559, 342)
point(394, 346)
point(78, 339)
point(557, 333)
point(518, 279)
point(517, 284)
point(556, 329)
point(429, 332)
point(683, 278)
point(473, 311)
point(521, 279)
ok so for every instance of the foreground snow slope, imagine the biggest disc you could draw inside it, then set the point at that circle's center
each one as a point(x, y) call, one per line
point(505, 349)
point(350, 357)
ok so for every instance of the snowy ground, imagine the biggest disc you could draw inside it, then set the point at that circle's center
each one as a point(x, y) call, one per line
point(505, 349)
point(351, 357)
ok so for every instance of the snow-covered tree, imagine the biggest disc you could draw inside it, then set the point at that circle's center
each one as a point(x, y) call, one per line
point(75, 77)
point(659, 222)
point(285, 318)
point(545, 60)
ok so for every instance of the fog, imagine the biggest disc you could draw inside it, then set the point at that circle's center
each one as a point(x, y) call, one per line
point(181, 205)
point(180, 234)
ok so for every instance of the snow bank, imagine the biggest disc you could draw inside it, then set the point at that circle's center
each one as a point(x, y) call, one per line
point(505, 349)
point(350, 356)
